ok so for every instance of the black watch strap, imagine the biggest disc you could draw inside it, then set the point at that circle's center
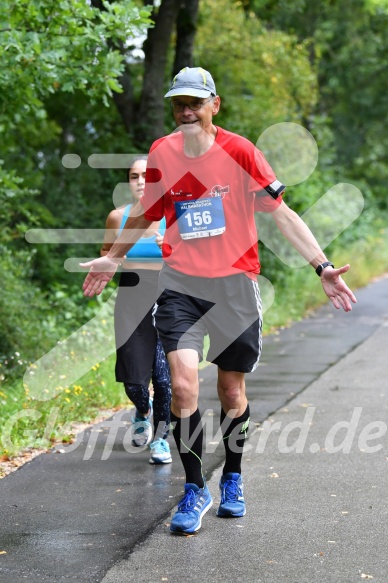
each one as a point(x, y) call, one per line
point(321, 267)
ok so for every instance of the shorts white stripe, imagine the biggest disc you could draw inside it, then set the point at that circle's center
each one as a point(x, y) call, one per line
point(259, 306)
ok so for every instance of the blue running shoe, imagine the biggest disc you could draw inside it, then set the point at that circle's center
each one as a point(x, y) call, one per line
point(160, 452)
point(232, 496)
point(142, 429)
point(194, 504)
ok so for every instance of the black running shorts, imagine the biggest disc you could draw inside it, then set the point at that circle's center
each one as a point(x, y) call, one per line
point(227, 308)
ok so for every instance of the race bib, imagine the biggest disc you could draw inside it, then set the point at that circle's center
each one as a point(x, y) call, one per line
point(203, 217)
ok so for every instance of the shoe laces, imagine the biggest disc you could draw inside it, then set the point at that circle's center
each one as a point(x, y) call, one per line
point(139, 419)
point(160, 446)
point(141, 425)
point(230, 490)
point(188, 502)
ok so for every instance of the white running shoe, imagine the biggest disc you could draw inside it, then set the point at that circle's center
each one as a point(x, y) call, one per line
point(160, 452)
point(142, 429)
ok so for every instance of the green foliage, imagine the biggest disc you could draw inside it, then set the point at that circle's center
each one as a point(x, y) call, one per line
point(263, 77)
point(52, 49)
point(19, 311)
point(17, 206)
point(298, 291)
point(58, 64)
point(33, 321)
point(67, 45)
point(349, 48)
point(78, 197)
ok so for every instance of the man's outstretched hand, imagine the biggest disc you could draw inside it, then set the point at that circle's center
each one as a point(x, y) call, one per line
point(336, 289)
point(101, 271)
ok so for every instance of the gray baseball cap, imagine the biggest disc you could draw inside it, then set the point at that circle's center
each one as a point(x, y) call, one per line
point(192, 81)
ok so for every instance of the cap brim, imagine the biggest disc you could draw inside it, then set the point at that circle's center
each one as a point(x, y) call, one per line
point(189, 92)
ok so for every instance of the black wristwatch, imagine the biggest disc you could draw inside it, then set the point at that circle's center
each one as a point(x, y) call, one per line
point(321, 267)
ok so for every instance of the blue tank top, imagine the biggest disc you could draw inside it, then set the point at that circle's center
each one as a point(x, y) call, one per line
point(145, 249)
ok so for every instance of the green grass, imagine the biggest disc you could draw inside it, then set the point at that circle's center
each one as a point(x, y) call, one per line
point(26, 422)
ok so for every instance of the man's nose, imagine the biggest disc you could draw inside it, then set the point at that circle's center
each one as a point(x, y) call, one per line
point(187, 110)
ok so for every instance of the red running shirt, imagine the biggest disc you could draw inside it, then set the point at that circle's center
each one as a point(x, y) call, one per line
point(209, 203)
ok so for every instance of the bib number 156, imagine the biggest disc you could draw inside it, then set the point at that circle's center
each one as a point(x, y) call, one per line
point(198, 218)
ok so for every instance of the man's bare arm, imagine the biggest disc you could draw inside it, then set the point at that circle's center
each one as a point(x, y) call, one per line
point(301, 238)
point(102, 270)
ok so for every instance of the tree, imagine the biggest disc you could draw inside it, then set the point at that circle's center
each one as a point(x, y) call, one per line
point(49, 49)
point(349, 47)
point(142, 111)
point(70, 82)
point(86, 49)
point(263, 76)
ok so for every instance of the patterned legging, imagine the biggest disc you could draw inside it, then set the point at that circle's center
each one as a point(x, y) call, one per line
point(139, 395)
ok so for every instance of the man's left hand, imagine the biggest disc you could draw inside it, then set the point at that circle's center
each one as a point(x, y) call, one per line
point(336, 289)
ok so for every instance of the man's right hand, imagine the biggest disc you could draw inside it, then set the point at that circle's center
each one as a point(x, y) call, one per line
point(101, 271)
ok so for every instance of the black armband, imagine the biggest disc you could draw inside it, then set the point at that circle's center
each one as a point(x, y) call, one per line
point(275, 189)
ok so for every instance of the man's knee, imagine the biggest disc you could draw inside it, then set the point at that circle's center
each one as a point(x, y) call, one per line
point(231, 397)
point(231, 389)
point(184, 394)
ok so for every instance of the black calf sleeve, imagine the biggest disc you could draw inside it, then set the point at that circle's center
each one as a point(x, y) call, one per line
point(234, 433)
point(188, 435)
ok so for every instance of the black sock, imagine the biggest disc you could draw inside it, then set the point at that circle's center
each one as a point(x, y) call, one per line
point(188, 435)
point(235, 430)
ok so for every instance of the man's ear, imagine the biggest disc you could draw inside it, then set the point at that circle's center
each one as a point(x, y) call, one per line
point(216, 105)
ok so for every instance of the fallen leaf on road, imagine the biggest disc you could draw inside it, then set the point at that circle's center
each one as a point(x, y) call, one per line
point(3, 552)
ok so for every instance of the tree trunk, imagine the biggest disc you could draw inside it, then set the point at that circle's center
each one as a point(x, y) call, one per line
point(144, 121)
point(151, 108)
point(186, 29)
point(124, 101)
